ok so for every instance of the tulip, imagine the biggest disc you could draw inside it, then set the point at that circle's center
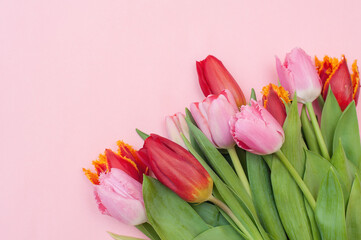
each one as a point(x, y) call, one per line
point(120, 196)
point(298, 74)
point(175, 125)
point(177, 169)
point(212, 117)
point(274, 100)
point(214, 78)
point(336, 74)
point(254, 129)
point(117, 184)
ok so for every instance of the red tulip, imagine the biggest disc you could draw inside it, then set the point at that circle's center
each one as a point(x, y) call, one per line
point(117, 184)
point(177, 169)
point(336, 74)
point(214, 78)
point(274, 100)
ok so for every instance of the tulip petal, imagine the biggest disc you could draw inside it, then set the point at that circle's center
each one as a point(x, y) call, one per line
point(285, 77)
point(176, 168)
point(123, 163)
point(120, 196)
point(220, 112)
point(201, 118)
point(340, 82)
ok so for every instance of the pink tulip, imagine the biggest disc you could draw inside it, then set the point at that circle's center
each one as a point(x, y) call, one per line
point(212, 117)
point(120, 196)
point(175, 125)
point(298, 74)
point(254, 129)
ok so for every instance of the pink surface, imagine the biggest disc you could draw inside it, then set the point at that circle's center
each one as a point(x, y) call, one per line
point(78, 75)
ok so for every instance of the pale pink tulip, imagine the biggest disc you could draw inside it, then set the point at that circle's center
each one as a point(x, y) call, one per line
point(212, 117)
point(298, 74)
point(120, 196)
point(254, 129)
point(175, 125)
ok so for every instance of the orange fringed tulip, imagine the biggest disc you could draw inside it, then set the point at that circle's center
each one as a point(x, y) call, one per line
point(118, 184)
point(274, 100)
point(335, 73)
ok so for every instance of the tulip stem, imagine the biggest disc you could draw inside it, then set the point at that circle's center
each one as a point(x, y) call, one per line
point(316, 127)
point(239, 169)
point(301, 184)
point(229, 212)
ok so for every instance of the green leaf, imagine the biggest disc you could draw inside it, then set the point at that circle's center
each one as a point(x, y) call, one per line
point(142, 134)
point(170, 216)
point(316, 169)
point(260, 182)
point(331, 113)
point(148, 230)
point(218, 233)
point(347, 130)
point(330, 209)
point(192, 138)
point(353, 214)
point(120, 237)
point(311, 217)
point(228, 196)
point(308, 132)
point(253, 94)
point(340, 162)
point(210, 214)
point(288, 197)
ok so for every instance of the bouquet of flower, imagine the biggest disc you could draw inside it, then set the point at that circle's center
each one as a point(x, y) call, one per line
point(286, 166)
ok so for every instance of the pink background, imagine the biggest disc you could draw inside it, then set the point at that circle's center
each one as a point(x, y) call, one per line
point(76, 76)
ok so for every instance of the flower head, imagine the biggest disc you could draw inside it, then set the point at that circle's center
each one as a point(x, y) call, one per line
point(335, 73)
point(177, 169)
point(298, 74)
point(214, 78)
point(118, 184)
point(274, 100)
point(255, 130)
point(212, 117)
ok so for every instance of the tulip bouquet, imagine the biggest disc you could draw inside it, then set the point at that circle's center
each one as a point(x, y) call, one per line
point(284, 167)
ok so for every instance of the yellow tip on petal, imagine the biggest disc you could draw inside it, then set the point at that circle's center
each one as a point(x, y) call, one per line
point(355, 78)
point(93, 177)
point(101, 164)
point(281, 92)
point(123, 145)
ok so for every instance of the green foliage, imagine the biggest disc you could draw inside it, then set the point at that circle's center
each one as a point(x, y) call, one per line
point(331, 113)
point(353, 214)
point(170, 216)
point(347, 130)
point(260, 182)
point(288, 197)
point(330, 209)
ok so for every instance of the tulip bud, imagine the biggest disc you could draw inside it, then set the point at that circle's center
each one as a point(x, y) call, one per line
point(117, 184)
point(212, 117)
point(176, 125)
point(214, 78)
point(177, 169)
point(255, 130)
point(336, 74)
point(298, 74)
point(274, 100)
